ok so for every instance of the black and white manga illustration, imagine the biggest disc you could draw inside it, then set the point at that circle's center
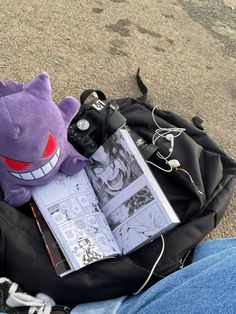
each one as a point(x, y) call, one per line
point(112, 168)
point(110, 208)
point(136, 220)
point(129, 207)
point(79, 220)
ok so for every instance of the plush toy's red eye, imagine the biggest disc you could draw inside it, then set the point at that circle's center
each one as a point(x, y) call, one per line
point(15, 164)
point(50, 147)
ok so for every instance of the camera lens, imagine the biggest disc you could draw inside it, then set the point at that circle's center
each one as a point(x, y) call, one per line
point(146, 149)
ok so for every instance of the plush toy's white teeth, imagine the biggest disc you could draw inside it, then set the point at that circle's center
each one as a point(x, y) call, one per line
point(40, 172)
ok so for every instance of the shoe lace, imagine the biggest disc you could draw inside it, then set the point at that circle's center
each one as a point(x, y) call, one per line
point(41, 304)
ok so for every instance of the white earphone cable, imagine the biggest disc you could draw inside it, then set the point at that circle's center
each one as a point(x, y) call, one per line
point(153, 267)
point(166, 133)
point(155, 165)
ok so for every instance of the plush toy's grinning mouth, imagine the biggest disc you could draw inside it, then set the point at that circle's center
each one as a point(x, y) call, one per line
point(40, 172)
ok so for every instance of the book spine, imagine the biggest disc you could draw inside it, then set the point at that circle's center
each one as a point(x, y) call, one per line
point(44, 240)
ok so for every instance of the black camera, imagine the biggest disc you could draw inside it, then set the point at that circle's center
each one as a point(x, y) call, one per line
point(96, 121)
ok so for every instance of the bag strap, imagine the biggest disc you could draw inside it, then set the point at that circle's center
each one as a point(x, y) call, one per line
point(142, 87)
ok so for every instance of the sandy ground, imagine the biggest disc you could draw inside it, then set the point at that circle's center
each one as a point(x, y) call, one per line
point(186, 51)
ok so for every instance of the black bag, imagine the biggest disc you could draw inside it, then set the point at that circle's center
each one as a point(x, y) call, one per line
point(23, 257)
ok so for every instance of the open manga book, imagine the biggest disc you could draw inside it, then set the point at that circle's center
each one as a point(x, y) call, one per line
point(110, 208)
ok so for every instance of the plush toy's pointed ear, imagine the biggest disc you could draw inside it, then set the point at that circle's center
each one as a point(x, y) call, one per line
point(8, 128)
point(40, 87)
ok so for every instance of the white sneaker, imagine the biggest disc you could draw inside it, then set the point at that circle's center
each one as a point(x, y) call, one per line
point(14, 301)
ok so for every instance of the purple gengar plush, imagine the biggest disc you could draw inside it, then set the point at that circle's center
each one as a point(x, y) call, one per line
point(33, 138)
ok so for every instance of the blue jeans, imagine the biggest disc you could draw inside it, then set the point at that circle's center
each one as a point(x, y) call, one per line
point(208, 285)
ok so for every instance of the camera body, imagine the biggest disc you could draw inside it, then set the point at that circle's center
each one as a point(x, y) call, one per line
point(96, 121)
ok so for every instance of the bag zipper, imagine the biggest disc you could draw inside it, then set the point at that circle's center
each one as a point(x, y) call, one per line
point(190, 182)
point(183, 260)
point(179, 265)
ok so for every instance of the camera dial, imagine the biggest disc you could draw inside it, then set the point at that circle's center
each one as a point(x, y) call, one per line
point(83, 125)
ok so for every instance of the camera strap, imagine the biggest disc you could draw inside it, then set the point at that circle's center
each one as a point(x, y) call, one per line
point(88, 92)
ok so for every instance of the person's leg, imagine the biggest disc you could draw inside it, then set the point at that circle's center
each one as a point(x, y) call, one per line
point(208, 285)
point(210, 247)
point(101, 307)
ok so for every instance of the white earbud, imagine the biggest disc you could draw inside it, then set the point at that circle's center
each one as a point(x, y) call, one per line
point(170, 138)
point(173, 163)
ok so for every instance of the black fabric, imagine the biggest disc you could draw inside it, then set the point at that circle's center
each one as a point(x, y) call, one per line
point(142, 87)
point(23, 256)
point(197, 121)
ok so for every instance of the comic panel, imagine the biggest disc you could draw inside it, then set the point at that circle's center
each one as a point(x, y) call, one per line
point(73, 208)
point(89, 239)
point(136, 231)
point(112, 168)
point(130, 207)
point(63, 187)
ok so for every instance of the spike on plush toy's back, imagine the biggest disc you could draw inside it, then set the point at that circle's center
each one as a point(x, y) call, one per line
point(10, 87)
point(40, 87)
point(33, 137)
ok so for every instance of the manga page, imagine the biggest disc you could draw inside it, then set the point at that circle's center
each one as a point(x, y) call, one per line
point(134, 205)
point(70, 208)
